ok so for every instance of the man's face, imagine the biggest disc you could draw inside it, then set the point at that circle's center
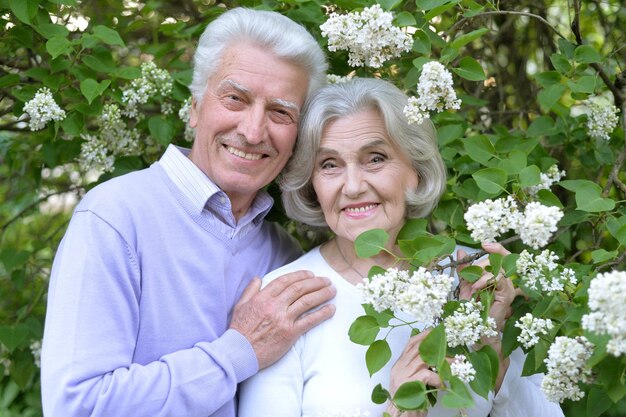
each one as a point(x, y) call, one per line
point(246, 125)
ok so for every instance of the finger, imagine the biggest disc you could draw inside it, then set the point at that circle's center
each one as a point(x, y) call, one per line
point(482, 282)
point(251, 290)
point(280, 284)
point(495, 247)
point(307, 321)
point(460, 254)
point(430, 378)
point(307, 296)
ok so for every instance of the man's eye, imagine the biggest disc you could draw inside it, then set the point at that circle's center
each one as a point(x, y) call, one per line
point(282, 116)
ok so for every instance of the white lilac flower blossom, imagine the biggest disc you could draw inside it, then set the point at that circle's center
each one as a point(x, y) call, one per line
point(42, 108)
point(185, 114)
point(488, 219)
point(35, 349)
point(542, 273)
point(114, 138)
point(566, 368)
point(337, 79)
point(531, 329)
point(466, 326)
point(607, 302)
point(538, 224)
point(601, 120)
point(369, 37)
point(462, 369)
point(420, 294)
point(548, 178)
point(435, 92)
point(153, 81)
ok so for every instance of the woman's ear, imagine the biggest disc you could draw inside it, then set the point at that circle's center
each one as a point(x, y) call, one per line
point(193, 113)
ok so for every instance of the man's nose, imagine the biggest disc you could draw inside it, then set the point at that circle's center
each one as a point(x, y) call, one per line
point(253, 125)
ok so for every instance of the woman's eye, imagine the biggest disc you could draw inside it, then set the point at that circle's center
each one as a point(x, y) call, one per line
point(327, 165)
point(377, 158)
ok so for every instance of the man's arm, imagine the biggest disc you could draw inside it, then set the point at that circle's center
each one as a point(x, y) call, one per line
point(90, 338)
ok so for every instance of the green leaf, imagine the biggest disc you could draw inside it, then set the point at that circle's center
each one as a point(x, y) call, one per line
point(128, 73)
point(529, 176)
point(597, 402)
point(410, 396)
point(413, 228)
point(50, 30)
point(602, 255)
point(548, 78)
point(161, 129)
point(458, 396)
point(585, 84)
point(364, 330)
point(541, 126)
point(439, 10)
point(389, 4)
point(470, 69)
point(58, 46)
point(9, 80)
point(588, 196)
point(467, 38)
point(12, 336)
point(617, 228)
point(92, 89)
point(561, 63)
point(549, 96)
point(24, 10)
point(405, 19)
point(586, 54)
point(433, 347)
point(380, 395)
point(479, 148)
point(429, 4)
point(481, 384)
point(100, 65)
point(471, 273)
point(377, 356)
point(108, 35)
point(421, 43)
point(370, 243)
point(491, 180)
point(514, 163)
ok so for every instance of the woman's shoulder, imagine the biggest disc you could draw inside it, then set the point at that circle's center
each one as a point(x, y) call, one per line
point(310, 261)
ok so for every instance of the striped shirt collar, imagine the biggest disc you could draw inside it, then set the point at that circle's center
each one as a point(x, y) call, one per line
point(201, 191)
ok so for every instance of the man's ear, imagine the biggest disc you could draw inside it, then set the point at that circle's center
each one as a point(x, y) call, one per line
point(193, 113)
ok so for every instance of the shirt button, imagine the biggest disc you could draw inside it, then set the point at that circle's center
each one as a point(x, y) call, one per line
point(223, 200)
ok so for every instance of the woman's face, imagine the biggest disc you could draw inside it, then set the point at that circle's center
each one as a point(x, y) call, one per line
point(361, 176)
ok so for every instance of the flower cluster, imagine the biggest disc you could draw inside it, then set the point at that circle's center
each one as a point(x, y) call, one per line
point(369, 37)
point(42, 108)
point(490, 218)
point(153, 81)
point(337, 79)
point(462, 369)
point(114, 138)
point(607, 302)
point(185, 114)
point(420, 294)
point(547, 179)
point(466, 326)
point(542, 273)
point(531, 329)
point(601, 120)
point(35, 349)
point(435, 92)
point(566, 368)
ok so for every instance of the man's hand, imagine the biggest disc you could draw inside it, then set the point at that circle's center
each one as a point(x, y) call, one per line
point(272, 319)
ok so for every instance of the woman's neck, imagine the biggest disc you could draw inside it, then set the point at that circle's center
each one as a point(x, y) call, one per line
point(341, 256)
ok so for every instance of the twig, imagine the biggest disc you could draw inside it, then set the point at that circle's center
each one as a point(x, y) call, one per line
point(474, 256)
point(617, 166)
point(504, 12)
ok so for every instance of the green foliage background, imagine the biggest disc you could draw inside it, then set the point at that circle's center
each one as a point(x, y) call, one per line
point(521, 69)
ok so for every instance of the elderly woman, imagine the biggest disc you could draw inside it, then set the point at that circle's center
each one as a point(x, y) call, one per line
point(358, 166)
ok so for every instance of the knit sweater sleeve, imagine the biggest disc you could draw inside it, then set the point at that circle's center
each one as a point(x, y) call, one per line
point(91, 329)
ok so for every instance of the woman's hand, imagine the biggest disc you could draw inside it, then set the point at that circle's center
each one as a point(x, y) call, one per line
point(411, 367)
point(500, 310)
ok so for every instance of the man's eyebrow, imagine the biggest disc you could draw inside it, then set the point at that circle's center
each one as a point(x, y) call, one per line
point(244, 90)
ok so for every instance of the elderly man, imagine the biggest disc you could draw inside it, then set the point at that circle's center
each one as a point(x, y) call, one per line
point(152, 308)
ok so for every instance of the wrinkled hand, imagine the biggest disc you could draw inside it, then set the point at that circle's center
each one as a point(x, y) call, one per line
point(272, 319)
point(504, 293)
point(411, 367)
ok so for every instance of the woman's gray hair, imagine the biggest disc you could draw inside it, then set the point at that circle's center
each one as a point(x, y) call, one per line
point(418, 142)
point(271, 31)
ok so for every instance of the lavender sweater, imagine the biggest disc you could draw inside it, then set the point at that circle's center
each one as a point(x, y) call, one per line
point(139, 303)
